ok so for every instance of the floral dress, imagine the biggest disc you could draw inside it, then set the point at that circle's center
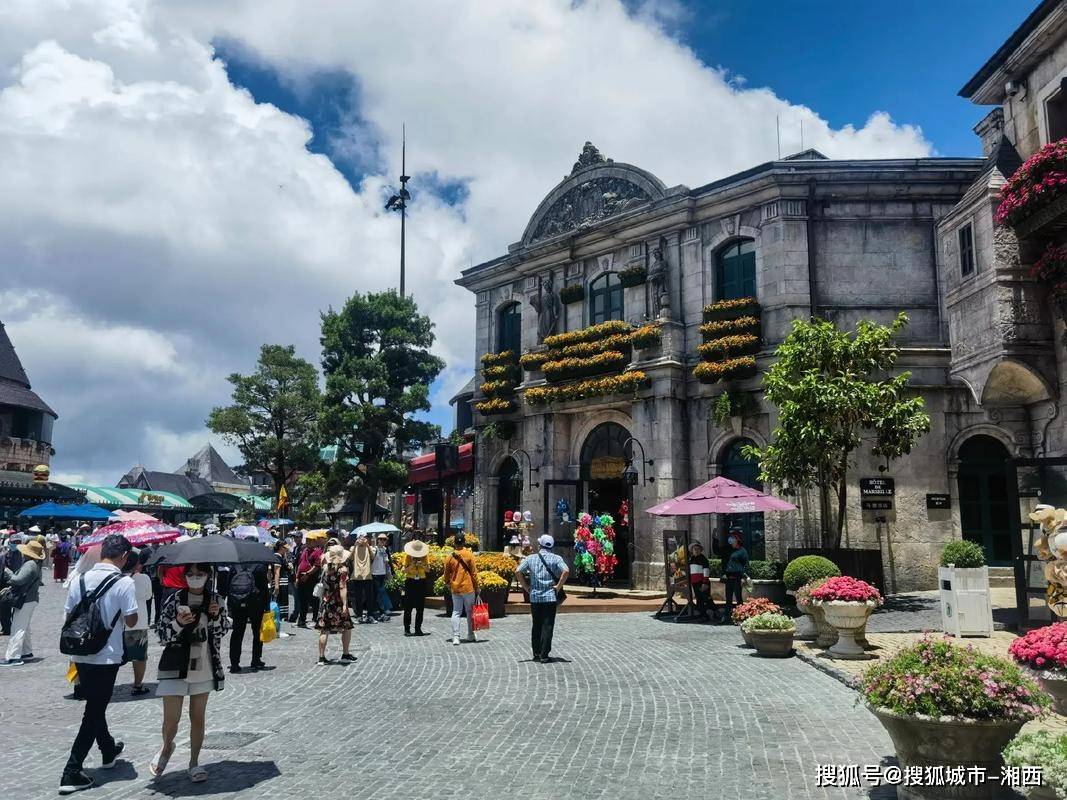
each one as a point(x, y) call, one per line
point(333, 618)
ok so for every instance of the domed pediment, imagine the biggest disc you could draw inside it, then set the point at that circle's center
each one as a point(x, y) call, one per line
point(597, 189)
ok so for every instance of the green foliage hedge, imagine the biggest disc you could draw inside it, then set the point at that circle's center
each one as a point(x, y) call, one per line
point(808, 568)
point(963, 554)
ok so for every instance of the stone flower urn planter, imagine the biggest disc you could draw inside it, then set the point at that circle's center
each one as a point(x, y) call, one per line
point(825, 636)
point(1054, 683)
point(746, 636)
point(846, 618)
point(772, 644)
point(928, 742)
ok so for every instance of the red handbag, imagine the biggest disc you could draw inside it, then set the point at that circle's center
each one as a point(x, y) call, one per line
point(481, 617)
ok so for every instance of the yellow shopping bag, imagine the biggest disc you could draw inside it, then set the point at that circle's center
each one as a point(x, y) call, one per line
point(72, 672)
point(267, 631)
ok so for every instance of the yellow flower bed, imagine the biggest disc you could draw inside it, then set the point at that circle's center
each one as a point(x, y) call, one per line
point(490, 580)
point(500, 564)
point(726, 327)
point(731, 305)
point(500, 372)
point(505, 357)
point(472, 541)
point(494, 405)
point(589, 334)
point(715, 371)
point(728, 346)
point(595, 387)
point(576, 367)
point(497, 388)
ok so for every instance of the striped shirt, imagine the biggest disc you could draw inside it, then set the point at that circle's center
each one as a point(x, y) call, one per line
point(542, 580)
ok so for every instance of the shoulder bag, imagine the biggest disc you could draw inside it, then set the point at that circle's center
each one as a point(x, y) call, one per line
point(561, 594)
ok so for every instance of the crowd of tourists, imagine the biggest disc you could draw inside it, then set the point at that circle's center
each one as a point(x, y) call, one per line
point(339, 581)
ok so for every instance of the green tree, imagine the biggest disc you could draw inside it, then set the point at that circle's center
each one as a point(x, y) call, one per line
point(378, 367)
point(832, 388)
point(272, 420)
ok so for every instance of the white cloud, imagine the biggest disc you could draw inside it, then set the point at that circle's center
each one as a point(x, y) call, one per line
point(158, 224)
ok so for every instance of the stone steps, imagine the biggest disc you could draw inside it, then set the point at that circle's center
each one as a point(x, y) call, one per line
point(1002, 577)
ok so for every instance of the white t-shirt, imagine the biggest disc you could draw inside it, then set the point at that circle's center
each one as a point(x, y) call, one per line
point(121, 597)
point(142, 588)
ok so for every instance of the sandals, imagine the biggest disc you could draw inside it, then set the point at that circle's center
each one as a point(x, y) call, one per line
point(159, 763)
point(140, 690)
point(197, 774)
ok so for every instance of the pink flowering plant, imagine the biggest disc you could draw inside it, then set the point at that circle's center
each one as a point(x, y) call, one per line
point(804, 592)
point(1039, 181)
point(1051, 270)
point(846, 590)
point(1042, 648)
point(937, 678)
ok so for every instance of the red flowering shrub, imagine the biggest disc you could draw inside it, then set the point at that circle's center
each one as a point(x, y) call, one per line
point(846, 590)
point(1039, 181)
point(752, 608)
point(1051, 270)
point(1042, 648)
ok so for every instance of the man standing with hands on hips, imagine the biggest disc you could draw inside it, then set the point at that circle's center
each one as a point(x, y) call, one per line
point(115, 597)
point(542, 575)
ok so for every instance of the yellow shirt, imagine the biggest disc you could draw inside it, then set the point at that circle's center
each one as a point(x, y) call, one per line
point(414, 567)
point(459, 578)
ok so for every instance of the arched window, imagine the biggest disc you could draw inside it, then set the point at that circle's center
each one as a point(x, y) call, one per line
point(509, 329)
point(605, 298)
point(735, 271)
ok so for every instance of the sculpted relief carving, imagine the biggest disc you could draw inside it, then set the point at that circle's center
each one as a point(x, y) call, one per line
point(587, 204)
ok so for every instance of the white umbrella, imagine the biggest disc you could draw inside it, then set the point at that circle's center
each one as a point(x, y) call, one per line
point(375, 528)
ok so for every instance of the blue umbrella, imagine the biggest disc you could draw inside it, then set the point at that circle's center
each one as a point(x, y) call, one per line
point(84, 511)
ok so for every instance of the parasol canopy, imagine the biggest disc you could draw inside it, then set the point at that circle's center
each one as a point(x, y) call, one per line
point(374, 528)
point(215, 549)
point(720, 496)
point(132, 516)
point(138, 532)
point(85, 511)
point(317, 536)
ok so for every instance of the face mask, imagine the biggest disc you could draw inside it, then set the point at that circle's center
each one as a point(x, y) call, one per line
point(196, 581)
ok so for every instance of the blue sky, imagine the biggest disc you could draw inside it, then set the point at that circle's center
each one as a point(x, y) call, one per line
point(845, 61)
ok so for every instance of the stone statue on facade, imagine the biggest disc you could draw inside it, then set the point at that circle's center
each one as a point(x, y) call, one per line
point(659, 285)
point(546, 303)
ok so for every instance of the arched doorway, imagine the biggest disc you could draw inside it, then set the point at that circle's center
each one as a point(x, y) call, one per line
point(602, 463)
point(737, 467)
point(508, 496)
point(983, 487)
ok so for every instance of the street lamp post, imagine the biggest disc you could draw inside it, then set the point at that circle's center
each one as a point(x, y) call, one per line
point(399, 202)
point(632, 478)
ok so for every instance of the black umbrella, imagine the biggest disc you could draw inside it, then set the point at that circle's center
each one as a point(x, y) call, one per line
point(215, 549)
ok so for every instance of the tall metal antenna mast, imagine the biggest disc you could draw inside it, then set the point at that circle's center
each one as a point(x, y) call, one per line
point(399, 201)
point(778, 130)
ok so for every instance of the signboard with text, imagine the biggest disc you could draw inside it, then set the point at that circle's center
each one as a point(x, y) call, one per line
point(877, 487)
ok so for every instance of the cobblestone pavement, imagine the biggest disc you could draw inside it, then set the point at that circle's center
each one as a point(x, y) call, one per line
point(639, 709)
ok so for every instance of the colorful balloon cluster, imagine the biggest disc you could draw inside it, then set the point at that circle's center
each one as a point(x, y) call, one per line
point(594, 547)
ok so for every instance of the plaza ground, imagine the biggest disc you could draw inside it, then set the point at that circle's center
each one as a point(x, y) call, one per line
point(638, 709)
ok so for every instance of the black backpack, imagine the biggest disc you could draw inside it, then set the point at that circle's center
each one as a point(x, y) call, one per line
point(84, 632)
point(242, 590)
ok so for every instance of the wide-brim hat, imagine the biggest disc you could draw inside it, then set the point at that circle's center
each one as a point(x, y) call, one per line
point(336, 554)
point(33, 549)
point(417, 549)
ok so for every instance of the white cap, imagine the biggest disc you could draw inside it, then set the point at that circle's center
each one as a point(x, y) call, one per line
point(546, 541)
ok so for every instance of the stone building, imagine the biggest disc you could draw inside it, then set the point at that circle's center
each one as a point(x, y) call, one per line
point(805, 235)
point(25, 419)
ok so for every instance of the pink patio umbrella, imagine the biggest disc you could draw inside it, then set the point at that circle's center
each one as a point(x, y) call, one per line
point(132, 516)
point(720, 496)
point(139, 532)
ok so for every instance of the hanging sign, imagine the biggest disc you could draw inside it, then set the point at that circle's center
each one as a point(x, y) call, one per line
point(938, 501)
point(877, 487)
point(876, 505)
point(606, 468)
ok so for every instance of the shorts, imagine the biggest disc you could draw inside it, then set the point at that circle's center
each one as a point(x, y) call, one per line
point(135, 645)
point(176, 687)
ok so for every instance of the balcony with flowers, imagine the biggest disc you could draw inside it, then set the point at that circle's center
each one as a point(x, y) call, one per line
point(731, 333)
point(1033, 201)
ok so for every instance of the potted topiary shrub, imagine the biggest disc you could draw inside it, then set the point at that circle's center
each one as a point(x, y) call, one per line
point(802, 571)
point(749, 609)
point(1047, 751)
point(966, 604)
point(1044, 650)
point(948, 707)
point(846, 603)
point(766, 581)
point(494, 592)
point(771, 634)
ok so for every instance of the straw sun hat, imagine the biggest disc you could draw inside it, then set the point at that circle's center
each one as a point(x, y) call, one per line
point(32, 549)
point(417, 549)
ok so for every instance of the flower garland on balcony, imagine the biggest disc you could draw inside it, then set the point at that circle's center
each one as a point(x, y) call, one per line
point(715, 371)
point(740, 344)
point(634, 276)
point(503, 357)
point(572, 293)
point(495, 405)
point(1051, 269)
point(565, 368)
point(595, 387)
point(731, 339)
point(497, 388)
point(1041, 179)
point(590, 334)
